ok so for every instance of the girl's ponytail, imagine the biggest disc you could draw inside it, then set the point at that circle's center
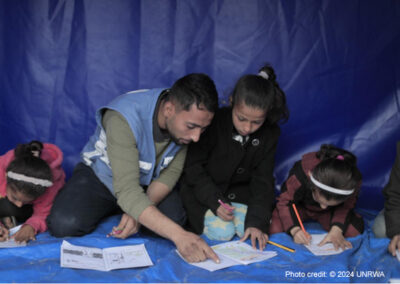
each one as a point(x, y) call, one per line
point(33, 148)
point(278, 110)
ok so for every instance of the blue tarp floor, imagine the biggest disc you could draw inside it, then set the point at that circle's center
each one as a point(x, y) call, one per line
point(368, 261)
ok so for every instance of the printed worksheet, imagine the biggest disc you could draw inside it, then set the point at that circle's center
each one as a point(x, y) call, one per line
point(234, 253)
point(104, 259)
point(11, 243)
point(327, 249)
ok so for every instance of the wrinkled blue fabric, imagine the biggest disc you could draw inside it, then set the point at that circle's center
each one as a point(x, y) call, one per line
point(368, 261)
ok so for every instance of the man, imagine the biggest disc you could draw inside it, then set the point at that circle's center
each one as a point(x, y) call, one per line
point(387, 223)
point(133, 161)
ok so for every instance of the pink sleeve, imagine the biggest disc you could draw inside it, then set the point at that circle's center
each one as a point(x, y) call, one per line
point(43, 204)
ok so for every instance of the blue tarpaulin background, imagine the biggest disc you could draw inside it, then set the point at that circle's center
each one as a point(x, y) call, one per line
point(337, 60)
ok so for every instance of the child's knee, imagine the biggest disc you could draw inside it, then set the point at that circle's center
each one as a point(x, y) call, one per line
point(379, 226)
point(217, 229)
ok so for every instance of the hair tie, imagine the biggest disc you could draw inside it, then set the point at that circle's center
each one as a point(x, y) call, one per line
point(264, 75)
point(33, 180)
point(340, 157)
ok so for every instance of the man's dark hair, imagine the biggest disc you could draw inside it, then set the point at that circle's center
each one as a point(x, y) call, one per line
point(195, 88)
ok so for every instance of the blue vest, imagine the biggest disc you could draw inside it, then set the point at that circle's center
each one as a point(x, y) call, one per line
point(137, 108)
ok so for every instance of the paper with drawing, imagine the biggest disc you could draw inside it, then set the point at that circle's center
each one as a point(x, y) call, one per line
point(234, 253)
point(327, 249)
point(11, 243)
point(104, 259)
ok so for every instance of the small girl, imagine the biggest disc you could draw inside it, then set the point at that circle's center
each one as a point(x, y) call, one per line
point(324, 186)
point(227, 185)
point(30, 177)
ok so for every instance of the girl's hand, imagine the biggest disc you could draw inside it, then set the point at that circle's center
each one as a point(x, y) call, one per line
point(225, 214)
point(127, 227)
point(256, 234)
point(299, 236)
point(4, 233)
point(25, 234)
point(394, 244)
point(335, 236)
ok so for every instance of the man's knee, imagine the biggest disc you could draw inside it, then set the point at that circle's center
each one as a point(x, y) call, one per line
point(63, 225)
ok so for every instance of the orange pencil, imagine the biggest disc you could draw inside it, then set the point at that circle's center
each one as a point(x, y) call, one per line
point(298, 218)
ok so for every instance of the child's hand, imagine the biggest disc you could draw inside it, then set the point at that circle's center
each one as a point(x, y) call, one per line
point(25, 234)
point(225, 214)
point(256, 234)
point(394, 244)
point(335, 236)
point(299, 236)
point(4, 233)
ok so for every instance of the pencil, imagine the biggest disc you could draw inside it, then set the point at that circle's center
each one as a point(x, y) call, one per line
point(224, 205)
point(298, 218)
point(281, 246)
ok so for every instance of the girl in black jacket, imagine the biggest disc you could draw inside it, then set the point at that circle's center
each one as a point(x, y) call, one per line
point(227, 185)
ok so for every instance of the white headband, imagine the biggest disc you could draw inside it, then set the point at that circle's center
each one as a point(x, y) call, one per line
point(331, 189)
point(35, 181)
point(264, 75)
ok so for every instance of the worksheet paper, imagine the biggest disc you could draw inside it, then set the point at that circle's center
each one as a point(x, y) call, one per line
point(104, 259)
point(234, 253)
point(326, 249)
point(11, 243)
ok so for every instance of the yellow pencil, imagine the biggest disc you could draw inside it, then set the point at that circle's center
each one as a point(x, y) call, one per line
point(281, 246)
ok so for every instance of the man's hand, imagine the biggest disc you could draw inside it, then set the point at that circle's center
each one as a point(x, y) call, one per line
point(25, 234)
point(335, 236)
point(126, 227)
point(255, 234)
point(193, 248)
point(394, 244)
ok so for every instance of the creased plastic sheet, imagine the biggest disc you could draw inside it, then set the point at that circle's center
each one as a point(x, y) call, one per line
point(367, 262)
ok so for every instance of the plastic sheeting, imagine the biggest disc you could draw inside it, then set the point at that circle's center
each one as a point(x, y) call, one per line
point(337, 61)
point(367, 262)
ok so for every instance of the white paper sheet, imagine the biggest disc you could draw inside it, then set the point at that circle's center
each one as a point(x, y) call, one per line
point(104, 259)
point(234, 253)
point(11, 243)
point(327, 249)
point(398, 255)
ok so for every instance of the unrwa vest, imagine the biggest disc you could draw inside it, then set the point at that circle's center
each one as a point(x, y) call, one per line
point(137, 108)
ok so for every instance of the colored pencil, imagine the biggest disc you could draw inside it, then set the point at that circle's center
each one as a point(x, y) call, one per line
point(298, 218)
point(281, 246)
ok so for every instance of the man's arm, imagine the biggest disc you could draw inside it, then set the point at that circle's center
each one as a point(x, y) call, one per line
point(124, 159)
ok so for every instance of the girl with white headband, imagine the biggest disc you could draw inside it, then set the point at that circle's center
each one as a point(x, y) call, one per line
point(228, 185)
point(324, 187)
point(30, 177)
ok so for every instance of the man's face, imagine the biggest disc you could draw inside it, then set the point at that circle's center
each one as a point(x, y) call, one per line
point(187, 126)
